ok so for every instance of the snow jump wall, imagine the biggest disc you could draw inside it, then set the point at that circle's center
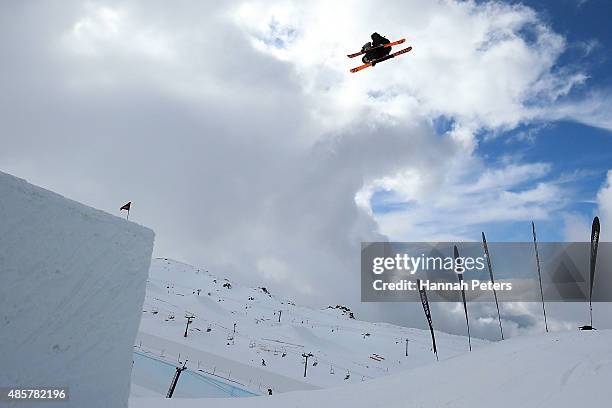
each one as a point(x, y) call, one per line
point(72, 285)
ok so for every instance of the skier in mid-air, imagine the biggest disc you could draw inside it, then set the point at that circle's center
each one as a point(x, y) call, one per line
point(378, 51)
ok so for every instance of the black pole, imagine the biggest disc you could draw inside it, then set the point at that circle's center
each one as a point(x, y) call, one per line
point(175, 379)
point(460, 276)
point(188, 323)
point(406, 347)
point(535, 244)
point(279, 315)
point(306, 361)
point(595, 231)
point(425, 303)
point(234, 328)
point(486, 250)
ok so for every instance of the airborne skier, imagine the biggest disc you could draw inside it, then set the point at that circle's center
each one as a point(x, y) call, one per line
point(374, 49)
point(377, 50)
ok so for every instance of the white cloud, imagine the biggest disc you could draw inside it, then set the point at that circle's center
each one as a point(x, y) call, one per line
point(518, 318)
point(604, 204)
point(472, 63)
point(577, 227)
point(486, 64)
point(465, 196)
point(241, 138)
point(593, 110)
point(104, 31)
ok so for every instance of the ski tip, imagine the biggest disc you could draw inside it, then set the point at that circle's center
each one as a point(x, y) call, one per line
point(353, 70)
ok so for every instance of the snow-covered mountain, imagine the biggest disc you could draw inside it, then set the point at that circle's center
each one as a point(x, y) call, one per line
point(344, 350)
point(561, 370)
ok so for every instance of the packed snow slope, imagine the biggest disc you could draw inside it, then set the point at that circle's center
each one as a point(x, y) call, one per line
point(556, 370)
point(72, 283)
point(344, 350)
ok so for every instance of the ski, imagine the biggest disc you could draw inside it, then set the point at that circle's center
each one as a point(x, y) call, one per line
point(369, 64)
point(391, 44)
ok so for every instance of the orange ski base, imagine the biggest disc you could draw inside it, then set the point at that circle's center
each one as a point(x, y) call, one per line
point(369, 64)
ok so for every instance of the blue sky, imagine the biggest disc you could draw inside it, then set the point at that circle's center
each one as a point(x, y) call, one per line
point(569, 146)
point(582, 21)
point(579, 155)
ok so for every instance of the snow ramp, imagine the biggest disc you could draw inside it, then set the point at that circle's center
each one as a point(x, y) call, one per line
point(72, 284)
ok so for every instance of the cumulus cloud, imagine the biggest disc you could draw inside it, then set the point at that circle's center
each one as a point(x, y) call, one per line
point(604, 204)
point(577, 227)
point(466, 196)
point(488, 64)
point(241, 138)
point(518, 318)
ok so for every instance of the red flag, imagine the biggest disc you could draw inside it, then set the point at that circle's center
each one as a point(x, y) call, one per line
point(126, 206)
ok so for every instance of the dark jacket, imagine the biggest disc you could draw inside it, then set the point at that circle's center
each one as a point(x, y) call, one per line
point(378, 39)
point(376, 53)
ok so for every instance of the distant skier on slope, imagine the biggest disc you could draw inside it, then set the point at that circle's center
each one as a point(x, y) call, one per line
point(378, 51)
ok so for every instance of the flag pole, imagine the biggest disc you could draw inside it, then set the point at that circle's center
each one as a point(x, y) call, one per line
point(460, 276)
point(595, 231)
point(486, 250)
point(427, 311)
point(127, 206)
point(535, 244)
